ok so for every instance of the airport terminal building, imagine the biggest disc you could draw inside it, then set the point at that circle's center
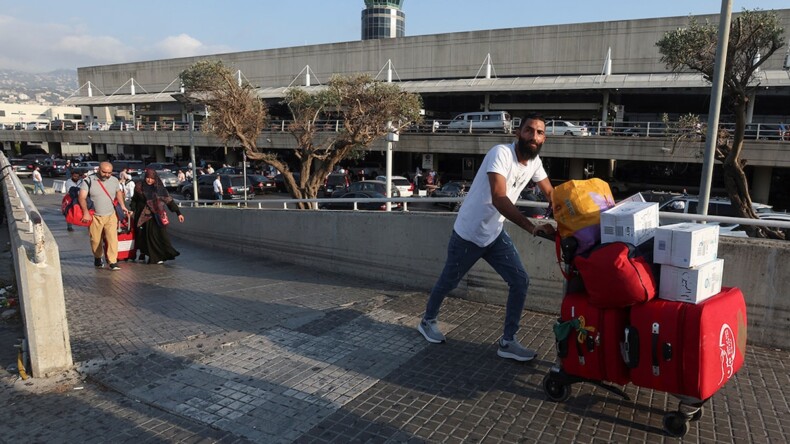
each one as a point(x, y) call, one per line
point(584, 73)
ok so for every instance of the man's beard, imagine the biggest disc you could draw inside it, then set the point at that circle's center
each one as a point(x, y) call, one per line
point(527, 151)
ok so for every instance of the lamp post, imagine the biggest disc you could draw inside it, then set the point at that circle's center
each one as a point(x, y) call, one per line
point(189, 105)
point(392, 136)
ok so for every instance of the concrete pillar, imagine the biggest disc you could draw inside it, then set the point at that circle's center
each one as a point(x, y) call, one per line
point(576, 169)
point(761, 184)
point(605, 108)
point(610, 167)
point(750, 108)
point(159, 153)
point(232, 157)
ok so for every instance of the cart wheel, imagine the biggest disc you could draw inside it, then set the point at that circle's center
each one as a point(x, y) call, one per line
point(696, 416)
point(676, 424)
point(556, 391)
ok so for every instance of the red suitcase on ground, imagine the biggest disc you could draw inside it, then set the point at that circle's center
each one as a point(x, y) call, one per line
point(592, 350)
point(126, 244)
point(688, 349)
point(126, 247)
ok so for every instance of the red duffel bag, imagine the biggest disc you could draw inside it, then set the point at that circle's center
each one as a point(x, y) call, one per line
point(74, 215)
point(616, 275)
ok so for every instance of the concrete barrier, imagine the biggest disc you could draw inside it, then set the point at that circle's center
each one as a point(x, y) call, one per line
point(59, 186)
point(408, 250)
point(40, 287)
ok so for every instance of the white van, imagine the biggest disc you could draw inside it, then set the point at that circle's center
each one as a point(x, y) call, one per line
point(490, 121)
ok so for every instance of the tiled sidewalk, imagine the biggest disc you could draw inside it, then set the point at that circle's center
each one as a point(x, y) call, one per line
point(221, 347)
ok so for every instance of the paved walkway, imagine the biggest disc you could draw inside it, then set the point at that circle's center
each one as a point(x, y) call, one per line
point(219, 347)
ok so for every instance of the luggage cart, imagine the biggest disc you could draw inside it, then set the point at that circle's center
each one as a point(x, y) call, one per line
point(557, 383)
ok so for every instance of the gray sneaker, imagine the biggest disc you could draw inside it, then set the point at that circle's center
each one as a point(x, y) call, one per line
point(430, 329)
point(514, 350)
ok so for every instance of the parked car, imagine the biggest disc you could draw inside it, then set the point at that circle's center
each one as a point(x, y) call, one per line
point(86, 167)
point(62, 125)
point(369, 185)
point(261, 184)
point(482, 121)
point(229, 170)
point(717, 206)
point(134, 167)
point(31, 126)
point(565, 128)
point(232, 187)
point(366, 170)
point(682, 203)
point(169, 180)
point(163, 166)
point(122, 125)
point(451, 189)
point(280, 182)
point(53, 167)
point(335, 182)
point(22, 167)
point(374, 206)
point(403, 185)
point(95, 126)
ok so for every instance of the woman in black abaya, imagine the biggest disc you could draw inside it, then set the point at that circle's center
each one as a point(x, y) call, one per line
point(148, 203)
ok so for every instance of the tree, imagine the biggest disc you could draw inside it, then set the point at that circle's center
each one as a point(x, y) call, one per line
point(362, 106)
point(236, 114)
point(754, 37)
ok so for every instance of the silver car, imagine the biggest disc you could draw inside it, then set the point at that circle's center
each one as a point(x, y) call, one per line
point(565, 128)
point(169, 180)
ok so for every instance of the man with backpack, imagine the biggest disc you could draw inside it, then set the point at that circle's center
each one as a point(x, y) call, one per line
point(102, 189)
point(74, 182)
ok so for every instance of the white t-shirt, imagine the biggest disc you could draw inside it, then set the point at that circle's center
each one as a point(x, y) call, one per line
point(478, 220)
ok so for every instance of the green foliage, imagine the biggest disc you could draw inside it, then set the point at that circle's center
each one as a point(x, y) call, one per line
point(693, 48)
point(205, 75)
point(361, 105)
point(751, 33)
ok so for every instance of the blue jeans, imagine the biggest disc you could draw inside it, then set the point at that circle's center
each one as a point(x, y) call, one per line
point(501, 254)
point(38, 186)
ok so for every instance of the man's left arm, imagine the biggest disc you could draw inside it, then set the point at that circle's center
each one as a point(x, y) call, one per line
point(506, 208)
point(121, 200)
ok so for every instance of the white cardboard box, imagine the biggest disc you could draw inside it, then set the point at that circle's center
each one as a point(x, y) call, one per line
point(635, 198)
point(686, 244)
point(632, 222)
point(692, 285)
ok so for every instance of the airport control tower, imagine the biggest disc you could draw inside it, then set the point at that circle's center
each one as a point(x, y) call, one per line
point(383, 19)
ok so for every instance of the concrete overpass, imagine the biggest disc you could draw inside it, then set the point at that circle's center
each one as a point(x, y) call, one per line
point(762, 155)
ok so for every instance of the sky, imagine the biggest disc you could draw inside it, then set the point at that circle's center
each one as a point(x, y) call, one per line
point(46, 35)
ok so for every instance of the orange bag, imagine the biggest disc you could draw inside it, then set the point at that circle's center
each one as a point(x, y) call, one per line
point(577, 206)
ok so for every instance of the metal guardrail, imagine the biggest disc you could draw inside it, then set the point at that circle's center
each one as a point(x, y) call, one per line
point(31, 215)
point(294, 204)
point(763, 131)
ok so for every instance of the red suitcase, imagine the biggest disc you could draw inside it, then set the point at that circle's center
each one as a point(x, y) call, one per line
point(126, 244)
point(688, 349)
point(595, 353)
point(126, 247)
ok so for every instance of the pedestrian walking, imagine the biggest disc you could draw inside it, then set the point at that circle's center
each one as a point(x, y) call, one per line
point(479, 232)
point(74, 181)
point(38, 181)
point(104, 223)
point(218, 188)
point(149, 201)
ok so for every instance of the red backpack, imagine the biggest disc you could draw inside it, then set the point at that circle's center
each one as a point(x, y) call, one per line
point(617, 275)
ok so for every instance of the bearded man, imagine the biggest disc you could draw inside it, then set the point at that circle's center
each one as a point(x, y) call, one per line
point(479, 232)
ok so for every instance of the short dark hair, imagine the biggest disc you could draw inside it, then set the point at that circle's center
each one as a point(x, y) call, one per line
point(531, 116)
